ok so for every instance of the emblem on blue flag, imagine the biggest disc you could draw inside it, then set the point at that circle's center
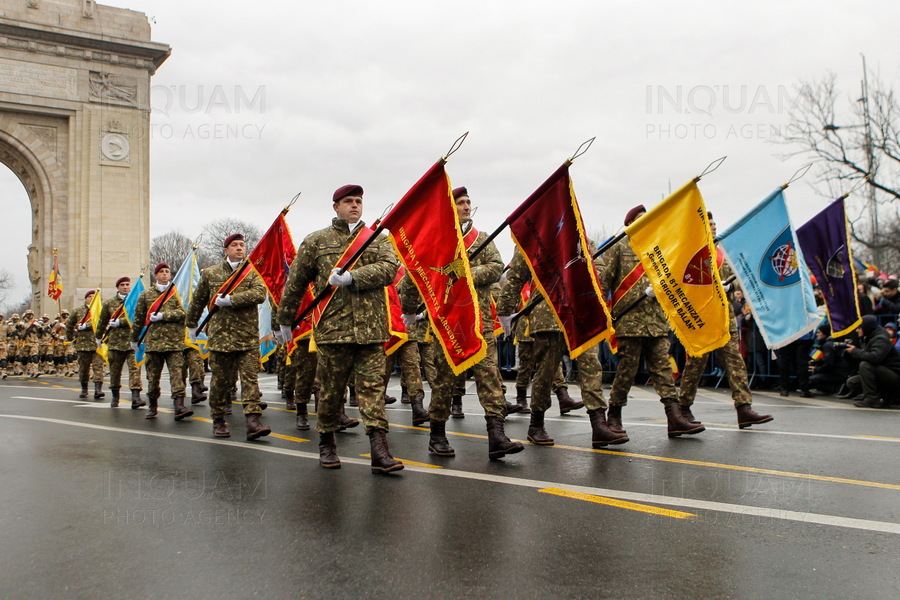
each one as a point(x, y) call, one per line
point(780, 265)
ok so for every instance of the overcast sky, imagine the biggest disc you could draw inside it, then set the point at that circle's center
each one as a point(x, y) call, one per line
point(261, 101)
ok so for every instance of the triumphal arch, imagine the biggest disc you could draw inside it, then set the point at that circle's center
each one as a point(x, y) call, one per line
point(74, 127)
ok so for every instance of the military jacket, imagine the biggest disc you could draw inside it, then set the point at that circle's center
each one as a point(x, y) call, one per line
point(3, 332)
point(646, 319)
point(356, 314)
point(162, 336)
point(83, 340)
point(119, 337)
point(486, 270)
point(232, 328)
point(541, 319)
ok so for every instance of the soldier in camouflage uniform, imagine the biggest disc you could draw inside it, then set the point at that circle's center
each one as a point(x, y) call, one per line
point(4, 341)
point(193, 372)
point(159, 309)
point(60, 345)
point(71, 357)
point(233, 331)
point(81, 336)
point(351, 333)
point(45, 348)
point(407, 355)
point(31, 335)
point(549, 347)
point(486, 267)
point(732, 362)
point(641, 327)
point(114, 325)
point(12, 328)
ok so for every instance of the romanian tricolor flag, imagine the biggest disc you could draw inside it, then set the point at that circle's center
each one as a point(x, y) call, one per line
point(55, 286)
point(426, 233)
point(272, 256)
point(548, 229)
point(94, 309)
point(676, 249)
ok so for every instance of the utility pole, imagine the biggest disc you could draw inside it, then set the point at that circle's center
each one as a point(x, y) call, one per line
point(871, 167)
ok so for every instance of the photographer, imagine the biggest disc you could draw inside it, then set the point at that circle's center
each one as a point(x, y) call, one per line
point(827, 370)
point(879, 365)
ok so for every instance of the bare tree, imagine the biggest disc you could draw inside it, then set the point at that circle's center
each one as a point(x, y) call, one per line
point(6, 283)
point(170, 248)
point(215, 232)
point(21, 306)
point(854, 140)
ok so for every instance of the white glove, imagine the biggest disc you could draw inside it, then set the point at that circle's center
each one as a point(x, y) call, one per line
point(506, 323)
point(420, 316)
point(286, 333)
point(156, 317)
point(83, 327)
point(649, 291)
point(192, 334)
point(134, 346)
point(726, 287)
point(410, 320)
point(226, 301)
point(99, 342)
point(339, 279)
point(114, 323)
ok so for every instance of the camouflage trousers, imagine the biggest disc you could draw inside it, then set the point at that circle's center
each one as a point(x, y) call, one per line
point(45, 355)
point(227, 368)
point(337, 363)
point(300, 375)
point(426, 356)
point(30, 358)
point(488, 384)
point(656, 357)
point(174, 362)
point(117, 360)
point(549, 349)
point(525, 372)
point(410, 371)
point(735, 369)
point(192, 369)
point(90, 361)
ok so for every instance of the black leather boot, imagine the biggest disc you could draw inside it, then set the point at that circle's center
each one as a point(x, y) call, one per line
point(181, 411)
point(688, 415)
point(302, 417)
point(419, 414)
point(747, 416)
point(220, 428)
point(114, 403)
point(255, 429)
point(151, 409)
point(437, 441)
point(614, 419)
point(197, 395)
point(328, 457)
point(136, 401)
point(347, 422)
point(382, 461)
point(456, 410)
point(601, 434)
point(498, 444)
point(522, 401)
point(566, 403)
point(536, 433)
point(288, 396)
point(98, 390)
point(678, 425)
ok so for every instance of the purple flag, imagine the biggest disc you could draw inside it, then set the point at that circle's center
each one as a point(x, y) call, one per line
point(826, 248)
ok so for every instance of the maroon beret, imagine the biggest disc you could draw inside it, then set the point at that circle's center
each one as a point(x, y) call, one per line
point(231, 238)
point(122, 280)
point(89, 293)
point(160, 266)
point(633, 214)
point(709, 215)
point(460, 191)
point(347, 190)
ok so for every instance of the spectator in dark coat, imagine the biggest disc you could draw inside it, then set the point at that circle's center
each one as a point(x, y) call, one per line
point(879, 366)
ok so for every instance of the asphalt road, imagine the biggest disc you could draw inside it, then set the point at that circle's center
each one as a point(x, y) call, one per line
point(98, 502)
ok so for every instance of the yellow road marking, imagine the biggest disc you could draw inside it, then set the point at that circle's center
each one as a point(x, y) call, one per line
point(653, 510)
point(204, 419)
point(287, 437)
point(877, 437)
point(449, 433)
point(411, 463)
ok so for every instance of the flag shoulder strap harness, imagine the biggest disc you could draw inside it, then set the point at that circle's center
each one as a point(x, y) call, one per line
point(160, 301)
point(234, 280)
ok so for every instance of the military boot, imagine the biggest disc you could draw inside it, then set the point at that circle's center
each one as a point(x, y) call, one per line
point(197, 395)
point(255, 429)
point(181, 411)
point(151, 409)
point(136, 401)
point(419, 414)
point(347, 422)
point(522, 401)
point(288, 396)
point(98, 390)
point(536, 433)
point(566, 403)
point(351, 397)
point(114, 403)
point(601, 434)
point(456, 410)
point(220, 428)
point(382, 461)
point(437, 441)
point(687, 414)
point(328, 457)
point(404, 395)
point(678, 425)
point(614, 419)
point(302, 417)
point(747, 416)
point(512, 407)
point(498, 444)
point(83, 393)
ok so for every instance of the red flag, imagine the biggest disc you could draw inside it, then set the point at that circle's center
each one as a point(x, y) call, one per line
point(55, 286)
point(426, 234)
point(399, 334)
point(548, 229)
point(273, 255)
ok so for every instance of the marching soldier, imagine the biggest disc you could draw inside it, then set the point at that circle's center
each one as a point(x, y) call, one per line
point(79, 332)
point(159, 310)
point(114, 324)
point(30, 335)
point(486, 270)
point(235, 290)
point(60, 345)
point(4, 336)
point(45, 348)
point(641, 328)
point(194, 373)
point(13, 349)
point(352, 330)
point(407, 355)
point(732, 362)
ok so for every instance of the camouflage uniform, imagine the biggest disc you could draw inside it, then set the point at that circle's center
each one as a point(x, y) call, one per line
point(30, 333)
point(351, 334)
point(163, 342)
point(83, 343)
point(303, 368)
point(60, 347)
point(193, 370)
point(4, 335)
point(233, 337)
point(12, 328)
point(45, 349)
point(119, 346)
point(643, 329)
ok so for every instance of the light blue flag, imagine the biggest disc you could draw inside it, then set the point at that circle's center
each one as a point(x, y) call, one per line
point(267, 343)
point(762, 249)
point(185, 281)
point(130, 306)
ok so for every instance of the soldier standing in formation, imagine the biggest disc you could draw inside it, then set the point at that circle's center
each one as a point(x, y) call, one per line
point(61, 345)
point(45, 348)
point(233, 331)
point(30, 335)
point(352, 330)
point(114, 325)
point(159, 310)
point(81, 335)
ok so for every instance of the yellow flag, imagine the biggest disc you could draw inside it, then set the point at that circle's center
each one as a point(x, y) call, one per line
point(676, 249)
point(94, 309)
